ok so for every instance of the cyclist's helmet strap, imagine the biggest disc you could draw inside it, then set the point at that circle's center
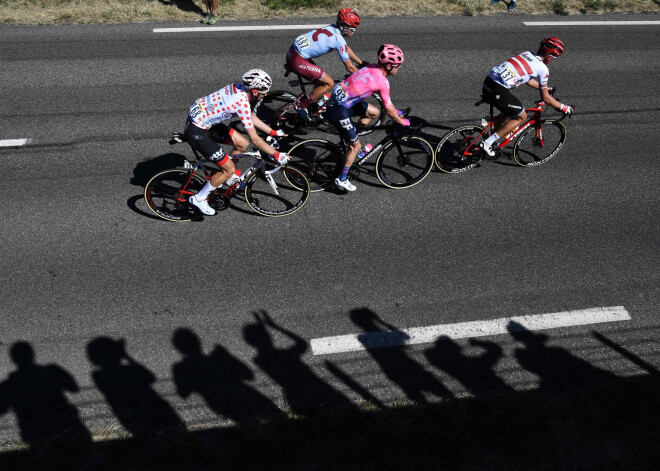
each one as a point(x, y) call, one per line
point(551, 46)
point(257, 79)
point(347, 18)
point(390, 54)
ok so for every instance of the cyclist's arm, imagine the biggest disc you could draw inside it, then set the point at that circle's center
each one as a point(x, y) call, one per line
point(260, 125)
point(350, 67)
point(353, 56)
point(262, 145)
point(392, 113)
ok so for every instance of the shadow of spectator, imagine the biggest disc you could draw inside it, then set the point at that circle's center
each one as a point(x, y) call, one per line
point(399, 368)
point(558, 370)
point(126, 386)
point(304, 392)
point(184, 5)
point(36, 394)
point(474, 372)
point(219, 378)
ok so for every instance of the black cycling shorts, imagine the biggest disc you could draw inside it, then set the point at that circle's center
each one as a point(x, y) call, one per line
point(340, 117)
point(501, 98)
point(207, 141)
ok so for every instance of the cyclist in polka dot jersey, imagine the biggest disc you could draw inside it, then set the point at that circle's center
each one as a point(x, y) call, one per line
point(205, 129)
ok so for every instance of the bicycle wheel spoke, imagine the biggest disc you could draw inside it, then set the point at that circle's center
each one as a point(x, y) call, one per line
point(319, 161)
point(405, 164)
point(275, 110)
point(538, 145)
point(458, 151)
point(283, 192)
point(167, 193)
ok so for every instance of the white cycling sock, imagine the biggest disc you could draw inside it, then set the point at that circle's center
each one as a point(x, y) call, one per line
point(491, 139)
point(205, 191)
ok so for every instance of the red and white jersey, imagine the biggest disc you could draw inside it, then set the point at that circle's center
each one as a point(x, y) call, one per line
point(520, 69)
point(220, 106)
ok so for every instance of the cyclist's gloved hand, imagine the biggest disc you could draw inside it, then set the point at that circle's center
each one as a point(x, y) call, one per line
point(281, 158)
point(278, 133)
point(405, 122)
point(400, 113)
point(364, 63)
point(566, 109)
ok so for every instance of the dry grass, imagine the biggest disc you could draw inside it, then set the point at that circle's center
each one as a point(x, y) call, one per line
point(138, 11)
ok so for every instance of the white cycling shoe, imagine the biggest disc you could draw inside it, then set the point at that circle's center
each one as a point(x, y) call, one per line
point(345, 184)
point(203, 206)
point(487, 149)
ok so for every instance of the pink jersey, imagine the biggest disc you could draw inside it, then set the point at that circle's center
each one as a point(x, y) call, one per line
point(220, 106)
point(361, 85)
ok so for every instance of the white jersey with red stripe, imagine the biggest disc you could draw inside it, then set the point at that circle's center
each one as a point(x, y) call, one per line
point(520, 69)
point(220, 106)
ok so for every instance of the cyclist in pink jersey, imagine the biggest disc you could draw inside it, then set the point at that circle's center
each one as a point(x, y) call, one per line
point(528, 68)
point(205, 129)
point(348, 100)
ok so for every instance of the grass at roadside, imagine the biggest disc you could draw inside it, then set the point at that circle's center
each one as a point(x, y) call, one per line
point(32, 12)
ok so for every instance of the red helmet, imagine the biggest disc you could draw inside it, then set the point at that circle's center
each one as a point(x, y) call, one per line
point(348, 17)
point(390, 54)
point(551, 46)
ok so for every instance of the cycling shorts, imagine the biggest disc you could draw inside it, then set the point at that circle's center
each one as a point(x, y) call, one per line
point(501, 98)
point(340, 117)
point(306, 68)
point(206, 141)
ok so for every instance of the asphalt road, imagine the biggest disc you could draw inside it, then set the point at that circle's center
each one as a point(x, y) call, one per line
point(81, 257)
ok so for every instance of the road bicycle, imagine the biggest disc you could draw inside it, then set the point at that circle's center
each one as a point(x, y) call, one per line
point(535, 141)
point(279, 109)
point(402, 161)
point(269, 189)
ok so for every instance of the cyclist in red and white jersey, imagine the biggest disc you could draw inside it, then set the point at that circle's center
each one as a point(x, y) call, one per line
point(528, 68)
point(205, 129)
point(316, 43)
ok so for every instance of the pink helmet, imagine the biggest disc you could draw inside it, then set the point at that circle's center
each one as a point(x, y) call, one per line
point(390, 54)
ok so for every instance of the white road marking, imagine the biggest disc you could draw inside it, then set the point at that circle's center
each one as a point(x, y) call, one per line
point(591, 23)
point(201, 29)
point(13, 142)
point(417, 335)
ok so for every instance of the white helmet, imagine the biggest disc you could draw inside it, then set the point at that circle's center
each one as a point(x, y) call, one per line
point(258, 79)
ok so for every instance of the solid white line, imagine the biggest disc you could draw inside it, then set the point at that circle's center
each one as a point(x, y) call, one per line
point(201, 29)
point(591, 23)
point(13, 142)
point(417, 335)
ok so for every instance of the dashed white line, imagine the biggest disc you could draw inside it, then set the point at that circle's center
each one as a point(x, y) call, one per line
point(13, 142)
point(202, 29)
point(591, 23)
point(417, 335)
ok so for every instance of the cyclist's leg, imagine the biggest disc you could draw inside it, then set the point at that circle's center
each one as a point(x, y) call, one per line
point(366, 112)
point(206, 142)
point(340, 117)
point(308, 70)
point(510, 106)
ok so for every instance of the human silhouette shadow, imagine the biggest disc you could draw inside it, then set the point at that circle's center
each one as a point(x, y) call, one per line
point(36, 394)
point(399, 368)
point(126, 386)
point(474, 372)
point(220, 379)
point(304, 392)
point(558, 370)
point(183, 5)
point(146, 169)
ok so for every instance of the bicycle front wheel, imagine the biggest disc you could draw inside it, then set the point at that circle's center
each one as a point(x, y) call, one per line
point(277, 111)
point(277, 192)
point(458, 151)
point(319, 160)
point(538, 144)
point(404, 162)
point(167, 194)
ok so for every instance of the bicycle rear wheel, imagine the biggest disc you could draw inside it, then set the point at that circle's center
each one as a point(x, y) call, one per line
point(167, 194)
point(404, 162)
point(279, 191)
point(538, 144)
point(458, 150)
point(319, 160)
point(276, 110)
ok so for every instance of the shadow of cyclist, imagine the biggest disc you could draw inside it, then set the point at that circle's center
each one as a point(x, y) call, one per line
point(304, 392)
point(219, 378)
point(184, 5)
point(36, 394)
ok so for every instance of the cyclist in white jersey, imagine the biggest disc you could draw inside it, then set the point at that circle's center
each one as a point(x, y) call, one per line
point(316, 43)
point(525, 68)
point(205, 129)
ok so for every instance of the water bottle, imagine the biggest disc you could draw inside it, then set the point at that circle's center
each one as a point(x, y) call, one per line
point(364, 151)
point(235, 178)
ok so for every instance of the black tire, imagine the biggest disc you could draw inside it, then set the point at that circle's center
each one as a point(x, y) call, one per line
point(458, 150)
point(292, 191)
point(275, 110)
point(405, 162)
point(319, 160)
point(167, 194)
point(530, 151)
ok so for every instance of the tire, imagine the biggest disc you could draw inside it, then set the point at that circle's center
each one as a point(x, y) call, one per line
point(275, 110)
point(407, 168)
point(167, 194)
point(458, 150)
point(319, 160)
point(530, 151)
point(292, 191)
